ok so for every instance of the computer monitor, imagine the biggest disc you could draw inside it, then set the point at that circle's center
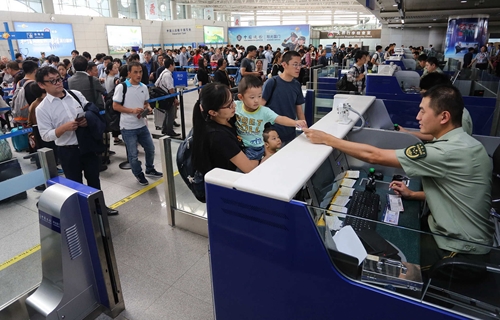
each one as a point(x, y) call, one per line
point(325, 182)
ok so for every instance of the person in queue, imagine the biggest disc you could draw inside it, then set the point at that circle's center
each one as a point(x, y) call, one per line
point(215, 142)
point(456, 178)
point(427, 82)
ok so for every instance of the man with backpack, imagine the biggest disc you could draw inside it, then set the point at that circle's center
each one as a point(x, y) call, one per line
point(23, 97)
point(59, 116)
point(88, 85)
point(283, 94)
point(133, 123)
point(166, 82)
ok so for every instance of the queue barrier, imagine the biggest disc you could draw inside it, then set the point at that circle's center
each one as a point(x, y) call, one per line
point(79, 270)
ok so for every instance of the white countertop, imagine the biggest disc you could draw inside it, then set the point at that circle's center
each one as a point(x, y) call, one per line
point(282, 176)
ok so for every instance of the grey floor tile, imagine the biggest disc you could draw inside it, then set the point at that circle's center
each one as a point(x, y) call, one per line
point(161, 251)
point(14, 217)
point(19, 241)
point(197, 280)
point(139, 291)
point(31, 201)
point(177, 305)
point(17, 279)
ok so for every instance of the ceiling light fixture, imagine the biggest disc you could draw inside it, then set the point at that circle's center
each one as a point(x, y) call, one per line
point(463, 1)
point(394, 5)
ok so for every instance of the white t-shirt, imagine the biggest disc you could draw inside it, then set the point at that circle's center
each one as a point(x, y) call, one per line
point(134, 98)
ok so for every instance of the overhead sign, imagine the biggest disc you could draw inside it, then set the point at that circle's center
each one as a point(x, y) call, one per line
point(25, 35)
point(352, 34)
point(291, 36)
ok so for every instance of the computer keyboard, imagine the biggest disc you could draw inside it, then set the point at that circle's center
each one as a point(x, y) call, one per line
point(363, 204)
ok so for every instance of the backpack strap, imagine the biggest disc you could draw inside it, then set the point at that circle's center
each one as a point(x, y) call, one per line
point(75, 97)
point(124, 92)
point(274, 87)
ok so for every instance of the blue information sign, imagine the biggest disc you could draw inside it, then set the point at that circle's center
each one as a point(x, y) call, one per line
point(25, 35)
point(180, 79)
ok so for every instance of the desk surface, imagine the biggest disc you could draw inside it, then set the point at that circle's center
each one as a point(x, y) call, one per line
point(405, 235)
point(406, 240)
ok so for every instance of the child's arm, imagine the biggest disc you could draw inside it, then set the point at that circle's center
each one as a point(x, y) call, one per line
point(285, 121)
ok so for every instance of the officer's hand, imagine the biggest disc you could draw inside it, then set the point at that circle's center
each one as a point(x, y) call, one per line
point(316, 136)
point(401, 129)
point(401, 189)
point(137, 110)
point(70, 126)
point(82, 122)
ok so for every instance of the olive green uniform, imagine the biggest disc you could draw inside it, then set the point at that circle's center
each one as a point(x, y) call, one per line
point(467, 122)
point(456, 178)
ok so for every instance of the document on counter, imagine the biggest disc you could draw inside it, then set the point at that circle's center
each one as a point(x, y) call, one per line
point(395, 203)
point(391, 217)
point(347, 241)
point(340, 201)
point(333, 222)
point(337, 208)
point(348, 182)
point(346, 191)
point(354, 174)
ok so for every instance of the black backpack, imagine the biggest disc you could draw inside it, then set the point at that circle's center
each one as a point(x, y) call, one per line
point(344, 85)
point(112, 116)
point(193, 178)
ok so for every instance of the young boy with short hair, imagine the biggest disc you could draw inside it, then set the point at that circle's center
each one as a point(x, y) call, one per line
point(251, 117)
point(272, 142)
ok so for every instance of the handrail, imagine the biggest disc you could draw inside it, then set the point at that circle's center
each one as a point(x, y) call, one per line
point(17, 133)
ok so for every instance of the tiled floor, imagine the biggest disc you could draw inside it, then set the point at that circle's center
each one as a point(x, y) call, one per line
point(164, 271)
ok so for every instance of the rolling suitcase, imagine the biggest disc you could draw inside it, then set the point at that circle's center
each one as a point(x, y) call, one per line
point(20, 142)
point(159, 116)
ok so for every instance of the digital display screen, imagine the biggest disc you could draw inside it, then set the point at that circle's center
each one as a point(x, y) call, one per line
point(121, 38)
point(213, 34)
point(61, 41)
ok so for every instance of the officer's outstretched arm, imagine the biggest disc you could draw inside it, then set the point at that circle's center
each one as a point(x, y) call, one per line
point(364, 152)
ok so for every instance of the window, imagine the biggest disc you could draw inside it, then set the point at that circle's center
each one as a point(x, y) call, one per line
point(23, 6)
point(181, 12)
point(127, 9)
point(157, 10)
point(82, 7)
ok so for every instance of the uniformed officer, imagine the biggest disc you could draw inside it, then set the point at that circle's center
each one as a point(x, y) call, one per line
point(456, 177)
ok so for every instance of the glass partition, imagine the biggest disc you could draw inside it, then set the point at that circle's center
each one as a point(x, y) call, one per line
point(391, 258)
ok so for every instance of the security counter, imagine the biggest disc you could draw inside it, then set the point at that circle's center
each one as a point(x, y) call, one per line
point(279, 250)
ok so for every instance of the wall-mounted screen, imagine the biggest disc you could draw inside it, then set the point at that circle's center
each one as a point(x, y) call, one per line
point(121, 38)
point(213, 35)
point(61, 41)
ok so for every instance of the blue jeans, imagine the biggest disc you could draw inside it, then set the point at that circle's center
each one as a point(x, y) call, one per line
point(143, 137)
point(254, 153)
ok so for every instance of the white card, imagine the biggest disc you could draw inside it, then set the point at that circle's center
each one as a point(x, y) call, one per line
point(391, 217)
point(396, 203)
point(348, 182)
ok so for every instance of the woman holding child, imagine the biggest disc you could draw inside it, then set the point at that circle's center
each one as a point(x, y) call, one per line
point(215, 141)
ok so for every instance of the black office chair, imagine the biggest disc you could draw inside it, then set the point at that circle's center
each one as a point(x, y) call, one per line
point(481, 292)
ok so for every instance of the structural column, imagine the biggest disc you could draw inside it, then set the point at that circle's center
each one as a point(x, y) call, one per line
point(141, 9)
point(188, 11)
point(173, 10)
point(48, 6)
point(113, 8)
